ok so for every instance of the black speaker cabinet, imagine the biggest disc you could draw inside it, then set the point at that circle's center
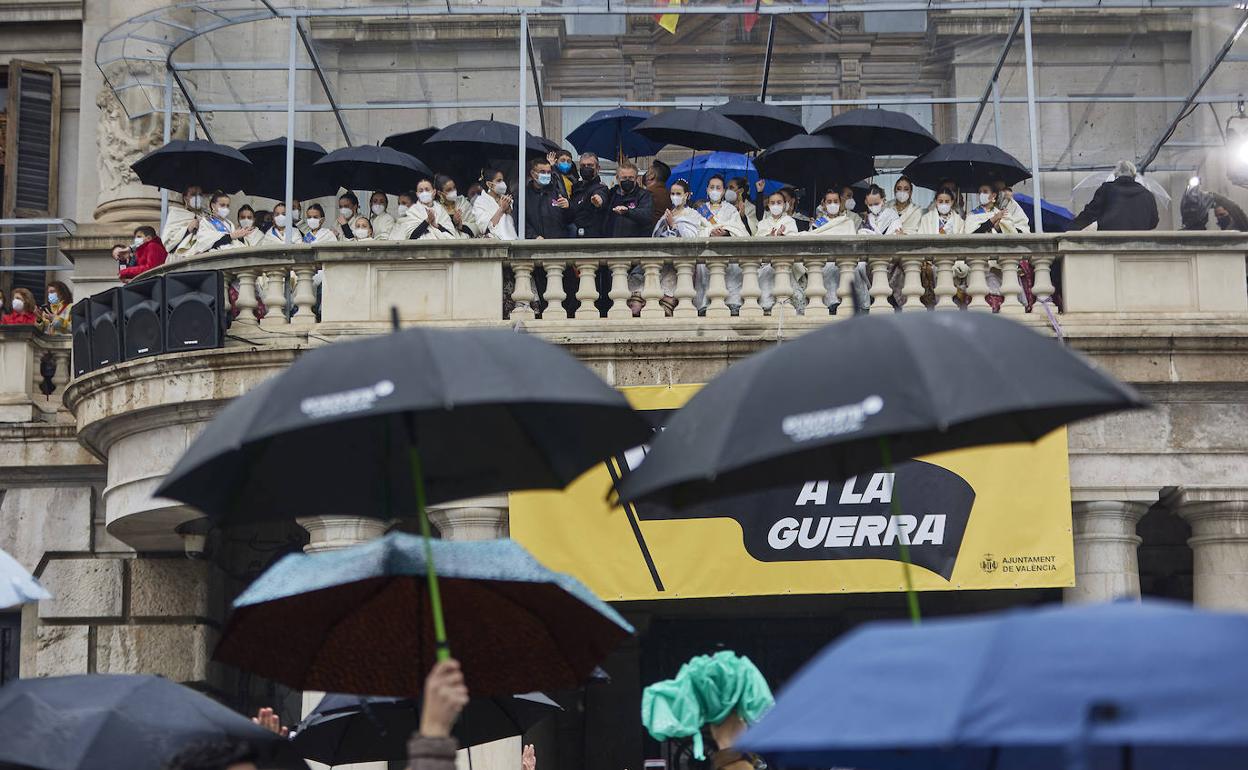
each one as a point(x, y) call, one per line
point(80, 326)
point(143, 318)
point(105, 318)
point(194, 317)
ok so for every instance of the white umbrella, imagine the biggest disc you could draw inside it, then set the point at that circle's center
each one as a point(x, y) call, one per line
point(16, 585)
point(1083, 192)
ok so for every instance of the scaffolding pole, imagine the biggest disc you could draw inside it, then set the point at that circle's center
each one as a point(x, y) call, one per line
point(1033, 123)
point(167, 134)
point(523, 121)
point(990, 89)
point(325, 86)
point(771, 39)
point(291, 54)
point(537, 83)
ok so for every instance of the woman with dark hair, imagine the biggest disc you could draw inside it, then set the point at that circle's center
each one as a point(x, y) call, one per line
point(456, 206)
point(253, 233)
point(317, 231)
point(493, 207)
point(738, 194)
point(426, 219)
point(54, 319)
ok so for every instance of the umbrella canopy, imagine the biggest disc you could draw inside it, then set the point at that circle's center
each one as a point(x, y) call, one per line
point(926, 382)
point(814, 161)
point(479, 140)
point(358, 620)
point(269, 177)
point(700, 168)
point(344, 729)
point(697, 130)
point(185, 162)
point(968, 164)
point(410, 142)
point(109, 721)
point(490, 411)
point(609, 134)
point(1057, 219)
point(373, 168)
point(879, 132)
point(1082, 193)
point(767, 124)
point(1152, 686)
point(17, 587)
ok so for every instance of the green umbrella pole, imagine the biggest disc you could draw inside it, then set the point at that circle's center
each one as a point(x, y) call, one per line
point(903, 538)
point(431, 575)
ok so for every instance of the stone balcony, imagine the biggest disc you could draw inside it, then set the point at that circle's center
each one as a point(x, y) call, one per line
point(1166, 311)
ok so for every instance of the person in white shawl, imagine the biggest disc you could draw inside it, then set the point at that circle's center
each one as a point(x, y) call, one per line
point(181, 223)
point(992, 215)
point(425, 220)
point(880, 219)
point(215, 229)
point(738, 194)
point(457, 207)
point(849, 204)
point(317, 231)
point(908, 214)
point(277, 233)
point(492, 208)
point(831, 218)
point(252, 235)
point(942, 219)
point(777, 223)
point(362, 229)
point(680, 221)
point(380, 219)
point(722, 219)
point(1013, 211)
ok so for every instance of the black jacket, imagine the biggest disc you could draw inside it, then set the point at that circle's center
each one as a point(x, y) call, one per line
point(585, 215)
point(541, 216)
point(636, 222)
point(1123, 204)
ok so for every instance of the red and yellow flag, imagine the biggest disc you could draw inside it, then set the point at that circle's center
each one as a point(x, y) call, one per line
point(668, 20)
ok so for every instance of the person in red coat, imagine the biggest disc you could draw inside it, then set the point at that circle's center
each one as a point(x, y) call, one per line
point(149, 252)
point(23, 309)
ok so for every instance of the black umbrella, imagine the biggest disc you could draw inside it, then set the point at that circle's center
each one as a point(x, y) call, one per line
point(110, 721)
point(767, 124)
point(968, 164)
point(920, 383)
point(344, 729)
point(810, 160)
point(879, 132)
point(479, 140)
point(269, 178)
point(410, 142)
point(183, 163)
point(697, 130)
point(373, 168)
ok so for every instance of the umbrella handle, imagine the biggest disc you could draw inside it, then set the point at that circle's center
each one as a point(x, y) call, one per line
point(431, 575)
point(903, 541)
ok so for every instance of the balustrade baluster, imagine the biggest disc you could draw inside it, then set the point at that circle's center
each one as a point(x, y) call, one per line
point(816, 291)
point(304, 298)
point(587, 290)
point(247, 299)
point(880, 290)
point(717, 289)
point(912, 289)
point(1011, 287)
point(783, 289)
point(945, 289)
point(652, 290)
point(847, 266)
point(555, 295)
point(1043, 288)
point(619, 293)
point(275, 297)
point(977, 284)
point(522, 294)
point(684, 291)
point(751, 292)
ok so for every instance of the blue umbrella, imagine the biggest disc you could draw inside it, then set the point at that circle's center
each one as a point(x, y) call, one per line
point(700, 168)
point(1152, 686)
point(609, 133)
point(1057, 219)
point(16, 585)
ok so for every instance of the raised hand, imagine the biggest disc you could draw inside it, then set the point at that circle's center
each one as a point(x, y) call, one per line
point(528, 760)
point(269, 720)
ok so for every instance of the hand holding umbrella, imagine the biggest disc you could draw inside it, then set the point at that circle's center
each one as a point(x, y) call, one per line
point(445, 697)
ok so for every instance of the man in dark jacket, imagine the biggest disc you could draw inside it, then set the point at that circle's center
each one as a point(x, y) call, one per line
point(656, 184)
point(631, 206)
point(589, 200)
point(1120, 204)
point(547, 211)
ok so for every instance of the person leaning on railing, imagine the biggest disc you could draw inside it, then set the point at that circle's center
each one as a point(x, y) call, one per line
point(22, 310)
point(54, 317)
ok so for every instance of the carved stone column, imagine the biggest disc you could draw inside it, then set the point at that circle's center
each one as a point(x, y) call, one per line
point(478, 518)
point(1219, 542)
point(1106, 550)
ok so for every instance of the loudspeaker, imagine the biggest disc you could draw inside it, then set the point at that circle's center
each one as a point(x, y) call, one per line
point(80, 326)
point(143, 318)
point(194, 315)
point(105, 321)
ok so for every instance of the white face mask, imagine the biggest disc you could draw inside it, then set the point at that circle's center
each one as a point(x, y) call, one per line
point(281, 220)
point(298, 215)
point(731, 196)
point(345, 211)
point(196, 201)
point(18, 306)
point(452, 196)
point(944, 208)
point(138, 241)
point(875, 208)
point(714, 195)
point(246, 222)
point(314, 222)
point(378, 209)
point(678, 200)
point(902, 196)
point(832, 209)
point(402, 209)
point(543, 179)
point(776, 209)
point(425, 196)
point(223, 211)
point(850, 203)
point(500, 188)
point(360, 232)
point(984, 198)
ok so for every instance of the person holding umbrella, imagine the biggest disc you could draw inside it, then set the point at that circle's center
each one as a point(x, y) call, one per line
point(547, 209)
point(628, 210)
point(380, 220)
point(1120, 204)
point(880, 219)
point(908, 213)
point(492, 208)
point(425, 220)
point(182, 222)
point(317, 231)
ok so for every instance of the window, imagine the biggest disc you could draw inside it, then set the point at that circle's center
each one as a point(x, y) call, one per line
point(10, 634)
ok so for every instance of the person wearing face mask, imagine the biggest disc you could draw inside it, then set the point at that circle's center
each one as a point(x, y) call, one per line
point(348, 210)
point(247, 221)
point(564, 171)
point(738, 194)
point(317, 231)
point(547, 210)
point(959, 205)
point(22, 310)
point(216, 230)
point(849, 204)
point(1013, 211)
point(831, 218)
point(277, 231)
point(628, 211)
point(590, 199)
point(380, 220)
point(54, 319)
point(426, 219)
point(908, 213)
point(1227, 213)
point(182, 222)
point(776, 221)
point(880, 219)
point(682, 220)
point(362, 229)
point(493, 208)
point(942, 219)
point(721, 218)
point(457, 206)
point(149, 252)
point(405, 202)
point(991, 215)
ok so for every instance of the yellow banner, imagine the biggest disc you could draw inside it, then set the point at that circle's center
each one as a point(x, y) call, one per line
point(991, 517)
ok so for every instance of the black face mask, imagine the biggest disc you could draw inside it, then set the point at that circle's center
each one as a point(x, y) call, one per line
point(628, 185)
point(588, 172)
point(1224, 222)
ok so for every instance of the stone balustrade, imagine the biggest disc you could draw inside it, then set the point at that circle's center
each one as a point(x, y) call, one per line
point(26, 356)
